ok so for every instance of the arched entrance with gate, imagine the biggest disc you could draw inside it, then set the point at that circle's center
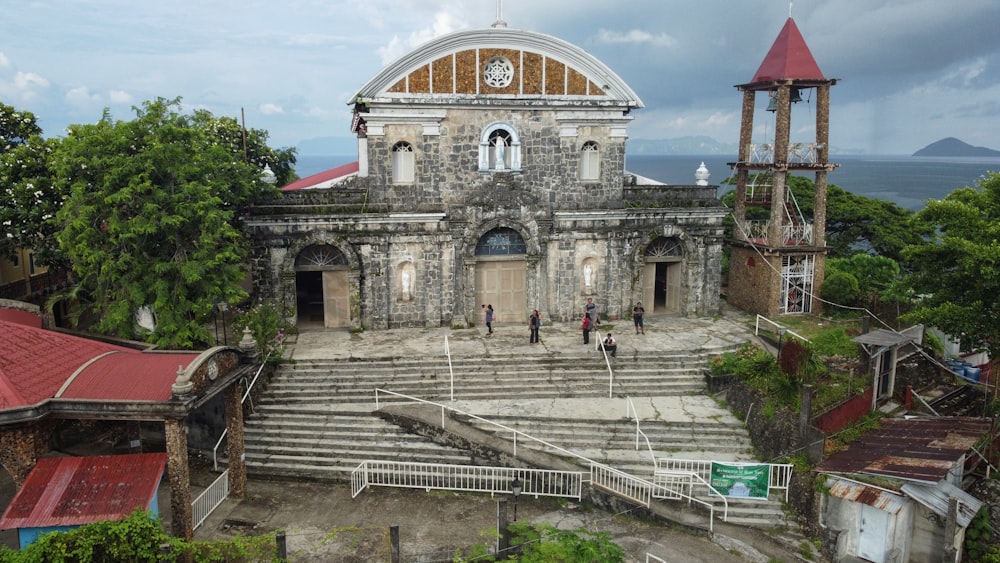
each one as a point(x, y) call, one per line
point(321, 288)
point(662, 275)
point(501, 274)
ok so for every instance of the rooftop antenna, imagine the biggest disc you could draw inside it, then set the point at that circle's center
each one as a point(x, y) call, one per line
point(790, 2)
point(499, 22)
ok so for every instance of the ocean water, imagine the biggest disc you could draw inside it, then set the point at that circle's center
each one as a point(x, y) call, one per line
point(906, 181)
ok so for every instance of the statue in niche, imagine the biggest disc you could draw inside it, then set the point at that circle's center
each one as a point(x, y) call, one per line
point(501, 152)
point(588, 276)
point(405, 279)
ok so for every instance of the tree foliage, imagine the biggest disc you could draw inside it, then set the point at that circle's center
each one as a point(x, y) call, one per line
point(151, 217)
point(139, 537)
point(29, 201)
point(856, 223)
point(956, 271)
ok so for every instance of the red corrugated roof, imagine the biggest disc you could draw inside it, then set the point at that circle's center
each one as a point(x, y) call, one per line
point(128, 377)
point(34, 363)
point(72, 491)
point(789, 58)
point(324, 179)
point(21, 317)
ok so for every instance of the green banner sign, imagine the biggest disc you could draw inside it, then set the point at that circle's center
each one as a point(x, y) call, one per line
point(741, 479)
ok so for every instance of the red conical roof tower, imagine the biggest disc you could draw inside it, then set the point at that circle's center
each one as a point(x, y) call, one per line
point(789, 58)
point(777, 266)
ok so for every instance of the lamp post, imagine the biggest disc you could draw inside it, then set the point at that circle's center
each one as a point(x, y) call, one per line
point(515, 488)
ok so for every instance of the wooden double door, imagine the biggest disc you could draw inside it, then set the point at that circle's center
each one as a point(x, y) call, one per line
point(502, 283)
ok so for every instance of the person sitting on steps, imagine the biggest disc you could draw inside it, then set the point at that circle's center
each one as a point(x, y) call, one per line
point(610, 345)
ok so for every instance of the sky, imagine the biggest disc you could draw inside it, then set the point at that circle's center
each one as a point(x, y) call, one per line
point(910, 72)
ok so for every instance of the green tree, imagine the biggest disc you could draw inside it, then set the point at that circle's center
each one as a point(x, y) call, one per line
point(29, 200)
point(542, 543)
point(858, 224)
point(956, 272)
point(152, 217)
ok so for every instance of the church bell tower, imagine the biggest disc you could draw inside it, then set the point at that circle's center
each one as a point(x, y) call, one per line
point(777, 260)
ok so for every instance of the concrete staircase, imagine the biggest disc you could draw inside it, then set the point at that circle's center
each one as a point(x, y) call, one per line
point(316, 418)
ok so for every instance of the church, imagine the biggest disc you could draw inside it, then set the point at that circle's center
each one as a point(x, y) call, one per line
point(491, 171)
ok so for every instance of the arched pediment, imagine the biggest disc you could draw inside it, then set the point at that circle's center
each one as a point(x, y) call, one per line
point(543, 65)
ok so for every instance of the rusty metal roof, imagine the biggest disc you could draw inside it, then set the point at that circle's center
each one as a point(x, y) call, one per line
point(72, 491)
point(919, 449)
point(875, 497)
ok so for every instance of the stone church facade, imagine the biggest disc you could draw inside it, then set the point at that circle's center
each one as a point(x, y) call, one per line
point(491, 170)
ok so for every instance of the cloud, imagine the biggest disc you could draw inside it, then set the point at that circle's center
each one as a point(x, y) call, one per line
point(4, 61)
point(271, 109)
point(636, 36)
point(28, 85)
point(82, 97)
point(444, 23)
point(120, 97)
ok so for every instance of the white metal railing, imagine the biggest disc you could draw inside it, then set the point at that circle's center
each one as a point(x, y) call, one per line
point(210, 499)
point(451, 371)
point(360, 477)
point(766, 322)
point(225, 431)
point(640, 490)
point(654, 559)
point(801, 232)
point(470, 478)
point(669, 481)
point(780, 473)
point(630, 410)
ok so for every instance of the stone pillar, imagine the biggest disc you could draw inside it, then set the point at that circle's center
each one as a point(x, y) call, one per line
point(179, 473)
point(21, 447)
point(234, 442)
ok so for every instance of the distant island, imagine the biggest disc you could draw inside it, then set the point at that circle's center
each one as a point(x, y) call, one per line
point(953, 147)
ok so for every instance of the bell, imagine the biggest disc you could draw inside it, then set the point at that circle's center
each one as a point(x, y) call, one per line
point(772, 104)
point(795, 97)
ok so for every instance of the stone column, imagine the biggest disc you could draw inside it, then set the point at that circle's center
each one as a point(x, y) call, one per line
point(234, 442)
point(179, 473)
point(21, 447)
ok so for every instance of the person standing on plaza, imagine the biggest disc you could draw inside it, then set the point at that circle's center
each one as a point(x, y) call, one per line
point(637, 313)
point(591, 309)
point(586, 329)
point(534, 321)
point(489, 318)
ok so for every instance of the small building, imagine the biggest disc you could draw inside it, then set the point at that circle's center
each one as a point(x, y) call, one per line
point(51, 376)
point(63, 493)
point(895, 495)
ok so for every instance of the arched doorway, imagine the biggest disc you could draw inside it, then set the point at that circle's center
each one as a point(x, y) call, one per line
point(501, 274)
point(662, 275)
point(321, 288)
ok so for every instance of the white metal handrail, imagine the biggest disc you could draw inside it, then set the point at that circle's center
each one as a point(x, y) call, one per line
point(515, 433)
point(661, 476)
point(767, 321)
point(640, 490)
point(210, 499)
point(469, 478)
point(630, 409)
point(225, 431)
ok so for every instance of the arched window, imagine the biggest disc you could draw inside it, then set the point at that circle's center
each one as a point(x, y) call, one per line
point(664, 247)
point(319, 257)
point(403, 163)
point(501, 241)
point(590, 161)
